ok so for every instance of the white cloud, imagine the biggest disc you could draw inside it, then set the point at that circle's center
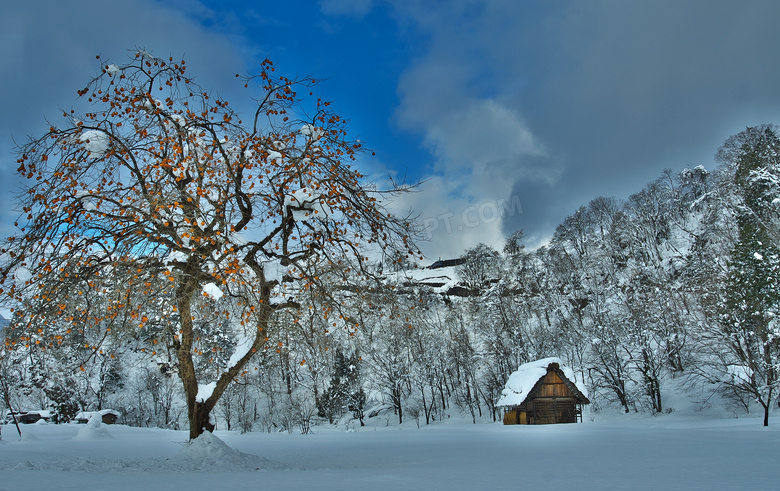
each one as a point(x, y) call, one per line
point(478, 132)
point(480, 142)
point(452, 223)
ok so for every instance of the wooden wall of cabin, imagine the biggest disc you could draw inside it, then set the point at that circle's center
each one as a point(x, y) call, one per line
point(514, 416)
point(510, 417)
point(551, 385)
point(555, 410)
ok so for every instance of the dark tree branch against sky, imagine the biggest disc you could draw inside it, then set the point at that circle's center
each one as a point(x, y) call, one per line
point(513, 113)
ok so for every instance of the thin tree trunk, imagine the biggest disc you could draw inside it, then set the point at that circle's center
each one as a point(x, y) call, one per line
point(7, 397)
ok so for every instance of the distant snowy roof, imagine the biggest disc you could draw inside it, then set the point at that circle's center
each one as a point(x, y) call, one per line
point(523, 380)
point(444, 263)
point(442, 279)
point(88, 414)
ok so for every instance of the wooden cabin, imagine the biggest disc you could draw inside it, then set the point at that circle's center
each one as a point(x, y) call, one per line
point(542, 392)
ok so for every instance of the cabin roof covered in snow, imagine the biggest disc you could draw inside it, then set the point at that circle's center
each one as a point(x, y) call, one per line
point(524, 379)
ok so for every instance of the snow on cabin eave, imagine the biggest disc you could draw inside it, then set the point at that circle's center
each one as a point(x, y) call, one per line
point(523, 380)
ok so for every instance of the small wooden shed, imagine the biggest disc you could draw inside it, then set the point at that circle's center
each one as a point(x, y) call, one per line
point(542, 392)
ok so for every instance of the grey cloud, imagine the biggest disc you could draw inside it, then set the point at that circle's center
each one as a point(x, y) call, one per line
point(52, 45)
point(638, 87)
point(612, 91)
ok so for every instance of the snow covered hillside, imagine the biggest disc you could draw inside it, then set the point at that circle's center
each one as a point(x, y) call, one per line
point(665, 452)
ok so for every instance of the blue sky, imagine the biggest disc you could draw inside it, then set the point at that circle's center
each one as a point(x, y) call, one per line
point(523, 109)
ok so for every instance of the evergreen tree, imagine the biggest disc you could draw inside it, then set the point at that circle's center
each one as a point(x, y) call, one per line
point(752, 287)
point(345, 392)
point(749, 317)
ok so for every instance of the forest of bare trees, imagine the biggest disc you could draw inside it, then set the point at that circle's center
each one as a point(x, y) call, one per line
point(151, 280)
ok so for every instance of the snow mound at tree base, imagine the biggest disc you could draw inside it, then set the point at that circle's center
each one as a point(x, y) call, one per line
point(209, 453)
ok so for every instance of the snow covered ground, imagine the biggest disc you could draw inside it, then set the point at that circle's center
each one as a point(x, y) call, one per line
point(663, 452)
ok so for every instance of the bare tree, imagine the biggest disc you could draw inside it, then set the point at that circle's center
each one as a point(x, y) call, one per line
point(481, 265)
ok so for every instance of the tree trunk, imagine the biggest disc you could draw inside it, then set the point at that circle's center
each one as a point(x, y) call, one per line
point(7, 398)
point(425, 405)
point(396, 396)
point(200, 419)
point(184, 345)
point(198, 412)
point(766, 414)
